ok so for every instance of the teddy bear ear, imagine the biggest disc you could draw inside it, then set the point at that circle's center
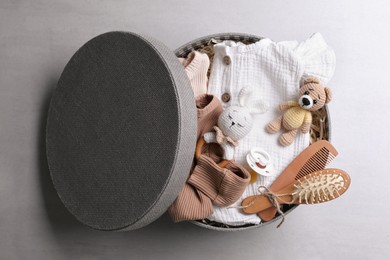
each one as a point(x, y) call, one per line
point(329, 95)
point(311, 79)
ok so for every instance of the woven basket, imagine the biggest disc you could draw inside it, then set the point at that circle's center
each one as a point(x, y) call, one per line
point(320, 129)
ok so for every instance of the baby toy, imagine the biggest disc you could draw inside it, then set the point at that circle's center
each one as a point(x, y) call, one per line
point(235, 122)
point(258, 161)
point(297, 115)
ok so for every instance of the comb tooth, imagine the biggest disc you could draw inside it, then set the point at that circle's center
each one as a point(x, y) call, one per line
point(330, 158)
point(299, 175)
point(317, 162)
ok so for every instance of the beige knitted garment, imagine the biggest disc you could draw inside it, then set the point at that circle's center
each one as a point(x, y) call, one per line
point(208, 108)
point(208, 183)
point(196, 65)
point(222, 185)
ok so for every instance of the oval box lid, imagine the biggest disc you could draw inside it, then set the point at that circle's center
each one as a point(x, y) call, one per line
point(121, 131)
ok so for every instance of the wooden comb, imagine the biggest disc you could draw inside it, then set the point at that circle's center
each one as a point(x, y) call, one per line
point(313, 158)
point(314, 188)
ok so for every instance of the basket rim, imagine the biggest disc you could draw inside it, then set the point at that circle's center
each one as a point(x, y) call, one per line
point(202, 41)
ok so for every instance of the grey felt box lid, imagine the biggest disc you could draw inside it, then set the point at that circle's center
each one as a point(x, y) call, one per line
point(121, 131)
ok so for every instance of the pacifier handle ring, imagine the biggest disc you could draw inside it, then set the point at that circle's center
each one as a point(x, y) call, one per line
point(262, 152)
point(198, 151)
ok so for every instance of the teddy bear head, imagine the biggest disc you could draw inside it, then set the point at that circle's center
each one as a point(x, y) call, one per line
point(314, 95)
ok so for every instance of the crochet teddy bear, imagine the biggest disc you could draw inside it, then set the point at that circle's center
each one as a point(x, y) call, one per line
point(297, 115)
point(235, 122)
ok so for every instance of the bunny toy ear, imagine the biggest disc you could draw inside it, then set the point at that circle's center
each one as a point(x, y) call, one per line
point(258, 107)
point(255, 106)
point(243, 96)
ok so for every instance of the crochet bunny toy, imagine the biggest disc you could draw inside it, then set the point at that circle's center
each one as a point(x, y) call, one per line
point(235, 122)
point(297, 115)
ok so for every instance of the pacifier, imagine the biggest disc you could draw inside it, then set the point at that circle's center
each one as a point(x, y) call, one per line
point(259, 162)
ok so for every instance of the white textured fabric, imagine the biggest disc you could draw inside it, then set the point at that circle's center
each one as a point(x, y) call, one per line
point(273, 71)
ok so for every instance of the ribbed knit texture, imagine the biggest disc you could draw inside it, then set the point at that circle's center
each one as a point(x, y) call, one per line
point(293, 118)
point(196, 66)
point(209, 108)
point(273, 72)
point(192, 204)
point(209, 184)
point(222, 185)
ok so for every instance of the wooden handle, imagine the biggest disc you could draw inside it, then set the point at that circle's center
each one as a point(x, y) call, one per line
point(199, 146)
point(255, 204)
point(198, 152)
point(260, 203)
point(267, 214)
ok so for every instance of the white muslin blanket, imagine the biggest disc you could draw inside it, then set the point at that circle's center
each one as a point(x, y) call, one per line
point(273, 71)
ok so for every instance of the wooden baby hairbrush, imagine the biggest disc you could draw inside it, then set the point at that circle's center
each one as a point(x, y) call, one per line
point(313, 158)
point(314, 188)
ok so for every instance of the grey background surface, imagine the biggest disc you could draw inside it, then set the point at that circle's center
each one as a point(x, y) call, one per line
point(37, 38)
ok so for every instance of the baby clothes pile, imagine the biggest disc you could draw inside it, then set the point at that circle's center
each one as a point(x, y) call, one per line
point(273, 73)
